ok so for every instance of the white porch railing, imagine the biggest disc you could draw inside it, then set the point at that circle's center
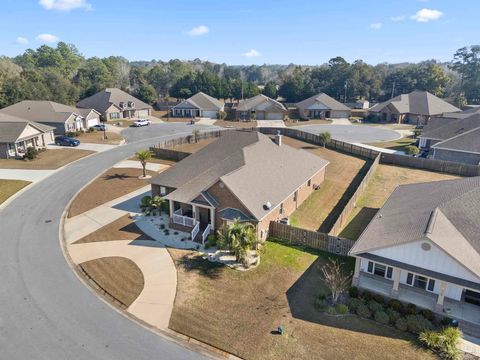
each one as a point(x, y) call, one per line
point(205, 233)
point(195, 231)
point(183, 220)
point(178, 211)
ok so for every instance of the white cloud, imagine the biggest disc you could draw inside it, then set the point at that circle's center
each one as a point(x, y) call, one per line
point(252, 53)
point(47, 38)
point(426, 15)
point(376, 26)
point(21, 40)
point(398, 18)
point(198, 30)
point(65, 5)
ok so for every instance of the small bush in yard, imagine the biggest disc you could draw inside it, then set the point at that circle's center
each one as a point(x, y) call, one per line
point(401, 324)
point(393, 315)
point(378, 298)
point(446, 321)
point(341, 309)
point(427, 314)
point(445, 342)
point(364, 312)
point(382, 317)
point(367, 295)
point(396, 305)
point(31, 153)
point(331, 310)
point(417, 323)
point(411, 309)
point(355, 303)
point(321, 304)
point(353, 292)
point(374, 306)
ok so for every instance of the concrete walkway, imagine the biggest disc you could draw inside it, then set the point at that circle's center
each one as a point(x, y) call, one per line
point(471, 345)
point(271, 123)
point(341, 122)
point(383, 150)
point(25, 174)
point(205, 121)
point(135, 164)
point(155, 303)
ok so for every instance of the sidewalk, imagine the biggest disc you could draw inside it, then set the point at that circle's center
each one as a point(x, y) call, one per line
point(379, 149)
point(25, 174)
point(271, 123)
point(471, 345)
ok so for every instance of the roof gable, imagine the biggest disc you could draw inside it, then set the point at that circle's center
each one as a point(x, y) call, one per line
point(322, 101)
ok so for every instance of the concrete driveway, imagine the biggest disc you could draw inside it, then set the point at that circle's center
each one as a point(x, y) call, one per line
point(270, 123)
point(85, 146)
point(353, 133)
point(25, 174)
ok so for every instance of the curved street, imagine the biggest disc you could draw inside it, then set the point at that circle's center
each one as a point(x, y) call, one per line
point(47, 312)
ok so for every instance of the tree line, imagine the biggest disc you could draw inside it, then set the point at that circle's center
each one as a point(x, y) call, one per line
point(64, 75)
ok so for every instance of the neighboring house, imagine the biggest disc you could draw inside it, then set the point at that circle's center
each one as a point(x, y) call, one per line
point(199, 105)
point(260, 107)
point(453, 137)
point(242, 175)
point(17, 134)
point(91, 117)
point(423, 247)
point(63, 118)
point(416, 108)
point(113, 103)
point(322, 106)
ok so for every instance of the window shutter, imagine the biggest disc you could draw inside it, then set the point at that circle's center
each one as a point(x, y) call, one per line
point(410, 279)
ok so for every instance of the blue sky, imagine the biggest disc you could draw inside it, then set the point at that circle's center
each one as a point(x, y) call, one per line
point(245, 31)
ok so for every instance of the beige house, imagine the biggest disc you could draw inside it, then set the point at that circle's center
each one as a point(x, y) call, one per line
point(113, 103)
point(260, 107)
point(199, 105)
point(242, 175)
point(16, 135)
point(322, 106)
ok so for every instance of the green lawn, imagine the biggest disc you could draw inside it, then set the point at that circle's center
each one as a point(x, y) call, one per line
point(10, 187)
point(398, 145)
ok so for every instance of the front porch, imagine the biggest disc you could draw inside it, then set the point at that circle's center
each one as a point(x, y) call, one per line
point(19, 148)
point(197, 220)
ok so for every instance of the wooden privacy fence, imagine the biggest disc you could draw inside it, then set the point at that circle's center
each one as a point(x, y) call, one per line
point(313, 239)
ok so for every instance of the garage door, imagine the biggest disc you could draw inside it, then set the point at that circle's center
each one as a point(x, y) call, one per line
point(92, 122)
point(142, 113)
point(274, 116)
point(340, 114)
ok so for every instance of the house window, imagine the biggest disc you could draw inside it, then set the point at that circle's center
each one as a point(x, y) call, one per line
point(380, 270)
point(295, 196)
point(421, 282)
point(370, 267)
point(389, 273)
point(309, 183)
point(163, 191)
point(115, 115)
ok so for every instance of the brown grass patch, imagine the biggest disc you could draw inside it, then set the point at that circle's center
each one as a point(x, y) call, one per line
point(96, 137)
point(112, 184)
point(194, 147)
point(10, 187)
point(236, 124)
point(121, 278)
point(46, 160)
point(307, 122)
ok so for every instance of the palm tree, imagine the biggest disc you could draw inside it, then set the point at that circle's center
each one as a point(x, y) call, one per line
point(143, 156)
point(238, 237)
point(325, 137)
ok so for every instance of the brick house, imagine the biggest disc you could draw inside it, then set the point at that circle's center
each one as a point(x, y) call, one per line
point(242, 175)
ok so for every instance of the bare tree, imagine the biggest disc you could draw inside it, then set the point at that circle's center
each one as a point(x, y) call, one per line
point(335, 278)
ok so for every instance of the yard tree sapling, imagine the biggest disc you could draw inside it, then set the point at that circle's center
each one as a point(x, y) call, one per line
point(325, 137)
point(335, 279)
point(143, 156)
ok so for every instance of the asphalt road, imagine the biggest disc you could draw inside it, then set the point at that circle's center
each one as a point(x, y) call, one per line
point(46, 312)
point(353, 133)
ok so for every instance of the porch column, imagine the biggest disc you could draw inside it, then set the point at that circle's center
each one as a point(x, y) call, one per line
point(212, 217)
point(170, 202)
point(441, 296)
point(396, 283)
point(356, 274)
point(194, 212)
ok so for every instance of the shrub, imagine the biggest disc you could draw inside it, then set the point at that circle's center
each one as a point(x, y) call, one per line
point(31, 153)
point(393, 315)
point(91, 129)
point(72, 133)
point(427, 314)
point(446, 342)
point(341, 309)
point(411, 309)
point(165, 207)
point(367, 295)
point(412, 150)
point(417, 323)
point(401, 324)
point(382, 317)
point(221, 115)
point(321, 304)
point(374, 306)
point(353, 292)
point(355, 303)
point(162, 226)
point(363, 311)
point(396, 305)
point(331, 310)
point(446, 321)
point(212, 240)
point(378, 298)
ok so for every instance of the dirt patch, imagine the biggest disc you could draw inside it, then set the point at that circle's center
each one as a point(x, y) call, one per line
point(119, 277)
point(96, 137)
point(307, 122)
point(236, 124)
point(10, 187)
point(240, 311)
point(121, 229)
point(46, 160)
point(194, 147)
point(110, 185)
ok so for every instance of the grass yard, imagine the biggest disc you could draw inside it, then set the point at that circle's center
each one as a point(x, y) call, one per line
point(239, 311)
point(10, 187)
point(236, 124)
point(119, 277)
point(96, 137)
point(110, 185)
point(386, 178)
point(121, 229)
point(307, 122)
point(124, 123)
point(398, 145)
point(317, 211)
point(46, 160)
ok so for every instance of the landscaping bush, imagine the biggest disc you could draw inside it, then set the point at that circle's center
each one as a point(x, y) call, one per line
point(374, 306)
point(401, 324)
point(378, 298)
point(446, 321)
point(445, 342)
point(341, 309)
point(353, 292)
point(396, 305)
point(382, 317)
point(31, 153)
point(72, 133)
point(165, 207)
point(355, 303)
point(412, 150)
point(212, 240)
point(221, 115)
point(367, 295)
point(393, 315)
point(91, 129)
point(411, 309)
point(320, 304)
point(331, 310)
point(363, 311)
point(417, 323)
point(427, 314)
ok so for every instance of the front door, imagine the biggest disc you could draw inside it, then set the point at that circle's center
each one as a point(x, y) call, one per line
point(204, 215)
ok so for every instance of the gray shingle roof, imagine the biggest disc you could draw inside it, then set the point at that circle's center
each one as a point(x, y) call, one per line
point(444, 212)
point(468, 141)
point(38, 110)
point(202, 101)
point(102, 100)
point(418, 103)
point(260, 102)
point(255, 170)
point(11, 128)
point(324, 99)
point(233, 214)
point(443, 128)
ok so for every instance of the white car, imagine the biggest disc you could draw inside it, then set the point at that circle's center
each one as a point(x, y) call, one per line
point(141, 122)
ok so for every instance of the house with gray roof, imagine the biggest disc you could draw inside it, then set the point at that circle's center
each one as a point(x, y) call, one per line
point(322, 106)
point(113, 104)
point(16, 135)
point(415, 108)
point(62, 117)
point(260, 107)
point(423, 247)
point(243, 175)
point(199, 105)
